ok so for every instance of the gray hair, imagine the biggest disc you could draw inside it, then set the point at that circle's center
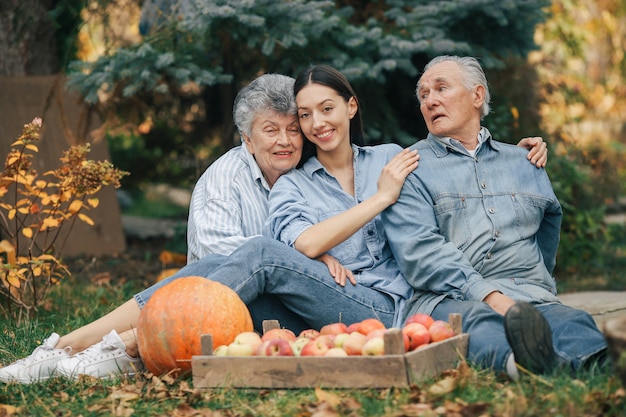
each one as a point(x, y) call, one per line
point(473, 75)
point(269, 92)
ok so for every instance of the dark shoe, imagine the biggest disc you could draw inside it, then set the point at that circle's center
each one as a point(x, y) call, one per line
point(530, 337)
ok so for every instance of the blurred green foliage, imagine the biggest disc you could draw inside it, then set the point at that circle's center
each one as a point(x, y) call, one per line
point(207, 50)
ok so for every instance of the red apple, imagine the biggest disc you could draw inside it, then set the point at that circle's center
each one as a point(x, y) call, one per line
point(334, 328)
point(440, 330)
point(278, 333)
point(354, 327)
point(420, 318)
point(319, 346)
point(369, 325)
point(374, 346)
point(418, 335)
point(309, 333)
point(298, 344)
point(275, 347)
point(353, 345)
point(376, 333)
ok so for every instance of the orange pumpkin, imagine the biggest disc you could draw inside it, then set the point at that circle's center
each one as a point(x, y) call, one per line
point(172, 321)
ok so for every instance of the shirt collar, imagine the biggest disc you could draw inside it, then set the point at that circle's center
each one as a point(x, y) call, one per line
point(313, 165)
point(444, 143)
point(249, 160)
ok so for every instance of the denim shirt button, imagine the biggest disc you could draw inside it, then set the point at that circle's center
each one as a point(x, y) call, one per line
point(370, 232)
point(492, 210)
point(489, 255)
point(483, 185)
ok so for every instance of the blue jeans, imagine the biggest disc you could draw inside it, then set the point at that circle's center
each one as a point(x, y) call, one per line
point(575, 335)
point(278, 282)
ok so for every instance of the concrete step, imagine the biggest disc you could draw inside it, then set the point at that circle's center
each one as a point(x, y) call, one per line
point(602, 305)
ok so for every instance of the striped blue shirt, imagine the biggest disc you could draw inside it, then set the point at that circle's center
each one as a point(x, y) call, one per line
point(229, 205)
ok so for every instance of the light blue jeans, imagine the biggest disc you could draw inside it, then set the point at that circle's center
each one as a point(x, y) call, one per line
point(278, 282)
point(575, 335)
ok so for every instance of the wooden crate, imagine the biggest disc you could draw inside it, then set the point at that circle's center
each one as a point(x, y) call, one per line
point(394, 369)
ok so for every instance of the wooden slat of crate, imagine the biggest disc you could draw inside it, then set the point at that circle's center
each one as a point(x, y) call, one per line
point(299, 372)
point(435, 358)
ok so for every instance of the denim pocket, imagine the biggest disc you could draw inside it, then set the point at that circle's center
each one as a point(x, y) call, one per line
point(453, 220)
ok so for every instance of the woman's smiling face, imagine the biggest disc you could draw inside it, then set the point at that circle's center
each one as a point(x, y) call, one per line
point(324, 116)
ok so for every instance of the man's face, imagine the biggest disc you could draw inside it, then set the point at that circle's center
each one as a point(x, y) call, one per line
point(448, 107)
point(276, 143)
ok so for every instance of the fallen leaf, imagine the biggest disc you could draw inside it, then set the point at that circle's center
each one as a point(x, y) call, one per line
point(324, 409)
point(324, 396)
point(417, 410)
point(445, 386)
point(8, 410)
point(101, 279)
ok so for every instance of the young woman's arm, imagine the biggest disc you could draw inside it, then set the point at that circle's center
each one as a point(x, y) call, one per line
point(325, 235)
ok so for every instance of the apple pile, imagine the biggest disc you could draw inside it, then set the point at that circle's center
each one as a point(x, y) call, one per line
point(337, 339)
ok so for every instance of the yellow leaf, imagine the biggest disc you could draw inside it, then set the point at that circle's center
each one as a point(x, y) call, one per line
point(86, 219)
point(75, 206)
point(445, 386)
point(37, 271)
point(7, 247)
point(28, 232)
point(46, 257)
point(49, 222)
point(41, 183)
point(25, 179)
point(23, 210)
point(93, 202)
point(32, 147)
point(14, 280)
point(11, 214)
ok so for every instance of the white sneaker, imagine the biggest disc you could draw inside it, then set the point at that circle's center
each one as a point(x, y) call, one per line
point(102, 360)
point(38, 366)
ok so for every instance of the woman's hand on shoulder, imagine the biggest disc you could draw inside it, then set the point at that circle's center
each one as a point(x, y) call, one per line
point(338, 271)
point(538, 155)
point(395, 172)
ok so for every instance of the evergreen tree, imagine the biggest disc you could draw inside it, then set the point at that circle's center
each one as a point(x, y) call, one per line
point(221, 45)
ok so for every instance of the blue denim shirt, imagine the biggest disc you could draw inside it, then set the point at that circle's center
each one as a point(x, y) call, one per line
point(306, 196)
point(466, 226)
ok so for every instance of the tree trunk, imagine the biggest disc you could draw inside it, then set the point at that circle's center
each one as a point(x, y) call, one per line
point(27, 38)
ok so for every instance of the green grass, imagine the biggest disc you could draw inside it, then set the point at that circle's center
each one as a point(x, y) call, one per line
point(462, 392)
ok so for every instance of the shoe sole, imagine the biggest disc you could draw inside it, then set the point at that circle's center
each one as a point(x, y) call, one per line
point(530, 337)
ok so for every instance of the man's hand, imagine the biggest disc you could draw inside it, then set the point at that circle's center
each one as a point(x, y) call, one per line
point(338, 271)
point(499, 302)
